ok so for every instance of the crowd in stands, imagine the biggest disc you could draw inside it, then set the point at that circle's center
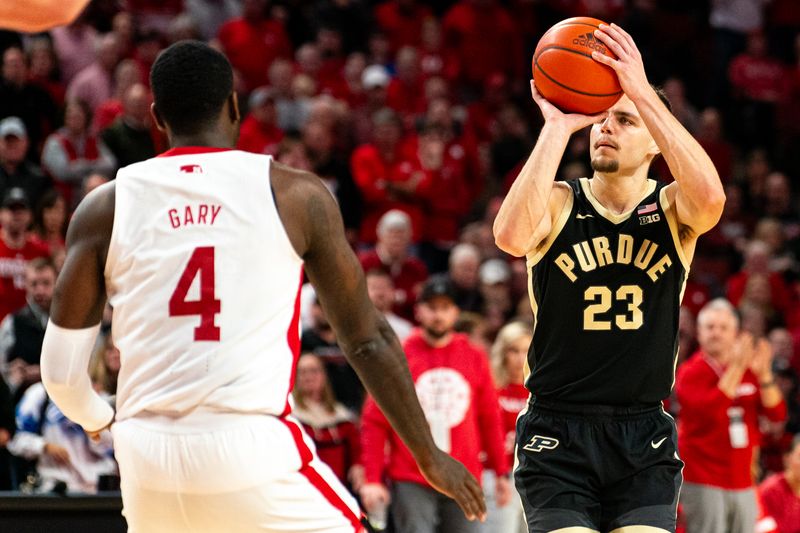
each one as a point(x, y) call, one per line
point(417, 116)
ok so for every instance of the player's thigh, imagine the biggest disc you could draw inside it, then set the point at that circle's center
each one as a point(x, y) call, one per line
point(553, 476)
point(312, 500)
point(644, 473)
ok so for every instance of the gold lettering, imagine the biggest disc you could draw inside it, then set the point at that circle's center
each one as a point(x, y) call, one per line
point(585, 257)
point(566, 264)
point(659, 268)
point(601, 250)
point(645, 254)
point(625, 249)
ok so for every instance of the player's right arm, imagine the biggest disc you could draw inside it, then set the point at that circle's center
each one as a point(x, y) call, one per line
point(38, 15)
point(314, 225)
point(535, 198)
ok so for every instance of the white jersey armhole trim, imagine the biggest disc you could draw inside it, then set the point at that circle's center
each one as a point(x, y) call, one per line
point(672, 221)
point(534, 256)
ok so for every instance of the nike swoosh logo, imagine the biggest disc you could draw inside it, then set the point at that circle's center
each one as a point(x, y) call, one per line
point(658, 444)
point(581, 217)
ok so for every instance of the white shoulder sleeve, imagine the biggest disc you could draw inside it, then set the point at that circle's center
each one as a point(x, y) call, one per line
point(65, 375)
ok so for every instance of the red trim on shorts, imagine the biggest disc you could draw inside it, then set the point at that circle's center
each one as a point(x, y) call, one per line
point(189, 150)
point(306, 456)
point(293, 338)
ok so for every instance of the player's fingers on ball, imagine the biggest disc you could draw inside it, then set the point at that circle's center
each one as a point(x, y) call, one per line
point(614, 36)
point(602, 58)
point(612, 44)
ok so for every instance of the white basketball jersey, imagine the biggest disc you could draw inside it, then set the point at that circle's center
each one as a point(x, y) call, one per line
point(204, 283)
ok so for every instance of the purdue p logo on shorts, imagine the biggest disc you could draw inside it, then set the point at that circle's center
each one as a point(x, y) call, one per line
point(540, 442)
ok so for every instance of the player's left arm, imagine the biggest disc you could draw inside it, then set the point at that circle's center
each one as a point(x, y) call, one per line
point(698, 193)
point(76, 312)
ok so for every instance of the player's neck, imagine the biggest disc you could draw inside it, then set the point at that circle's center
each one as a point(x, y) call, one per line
point(618, 194)
point(210, 138)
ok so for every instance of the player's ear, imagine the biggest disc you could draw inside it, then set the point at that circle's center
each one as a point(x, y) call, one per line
point(233, 107)
point(653, 150)
point(160, 124)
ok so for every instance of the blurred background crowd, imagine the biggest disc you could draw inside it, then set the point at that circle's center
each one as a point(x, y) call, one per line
point(417, 116)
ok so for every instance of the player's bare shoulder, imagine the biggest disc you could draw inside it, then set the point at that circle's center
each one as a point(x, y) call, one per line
point(304, 204)
point(93, 219)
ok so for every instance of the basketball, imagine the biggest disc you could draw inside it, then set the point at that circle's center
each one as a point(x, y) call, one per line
point(565, 73)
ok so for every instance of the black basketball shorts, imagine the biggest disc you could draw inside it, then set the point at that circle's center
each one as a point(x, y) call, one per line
point(598, 467)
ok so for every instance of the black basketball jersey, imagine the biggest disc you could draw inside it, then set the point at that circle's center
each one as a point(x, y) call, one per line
point(606, 292)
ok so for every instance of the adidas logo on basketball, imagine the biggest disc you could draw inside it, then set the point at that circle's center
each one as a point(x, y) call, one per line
point(588, 40)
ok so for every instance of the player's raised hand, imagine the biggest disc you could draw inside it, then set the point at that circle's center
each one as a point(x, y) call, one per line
point(553, 115)
point(451, 478)
point(628, 65)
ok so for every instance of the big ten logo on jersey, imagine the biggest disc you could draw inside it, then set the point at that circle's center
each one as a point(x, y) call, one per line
point(540, 442)
point(599, 252)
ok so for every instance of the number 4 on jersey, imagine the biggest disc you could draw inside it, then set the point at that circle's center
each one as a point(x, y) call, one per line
point(202, 262)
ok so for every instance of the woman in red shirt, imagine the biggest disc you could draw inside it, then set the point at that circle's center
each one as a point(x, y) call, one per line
point(330, 424)
point(508, 355)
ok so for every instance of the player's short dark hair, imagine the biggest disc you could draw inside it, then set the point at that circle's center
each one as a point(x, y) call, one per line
point(190, 83)
point(662, 96)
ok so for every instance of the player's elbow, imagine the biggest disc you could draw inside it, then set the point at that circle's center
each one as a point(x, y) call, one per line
point(506, 238)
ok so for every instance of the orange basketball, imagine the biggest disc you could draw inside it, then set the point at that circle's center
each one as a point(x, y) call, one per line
point(565, 73)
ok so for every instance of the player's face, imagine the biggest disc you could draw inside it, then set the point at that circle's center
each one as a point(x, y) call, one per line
point(716, 332)
point(620, 141)
point(516, 352)
point(438, 316)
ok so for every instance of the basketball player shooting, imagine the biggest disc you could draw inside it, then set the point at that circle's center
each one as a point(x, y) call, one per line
point(200, 252)
point(608, 259)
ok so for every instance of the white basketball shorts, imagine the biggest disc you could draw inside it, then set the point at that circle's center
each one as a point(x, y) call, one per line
point(230, 473)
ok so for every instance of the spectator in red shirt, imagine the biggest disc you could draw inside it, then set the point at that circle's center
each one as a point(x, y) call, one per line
point(402, 21)
point(710, 137)
point(392, 253)
point(455, 388)
point(484, 39)
point(442, 190)
point(722, 390)
point(374, 82)
point(508, 355)
point(126, 75)
point(384, 186)
point(260, 133)
point(758, 83)
point(756, 262)
point(43, 68)
point(406, 93)
point(16, 249)
point(330, 424)
point(780, 494)
point(253, 41)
